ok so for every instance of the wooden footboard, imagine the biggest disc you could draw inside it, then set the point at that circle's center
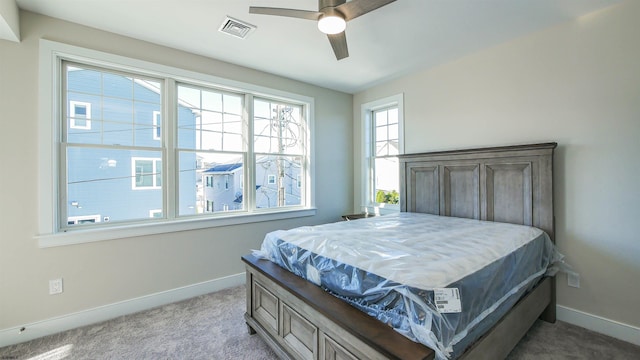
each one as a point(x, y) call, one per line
point(301, 321)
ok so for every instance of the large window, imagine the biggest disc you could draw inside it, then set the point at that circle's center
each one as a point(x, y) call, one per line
point(382, 143)
point(103, 160)
point(150, 145)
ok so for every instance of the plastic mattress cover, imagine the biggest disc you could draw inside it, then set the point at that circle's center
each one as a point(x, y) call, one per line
point(436, 280)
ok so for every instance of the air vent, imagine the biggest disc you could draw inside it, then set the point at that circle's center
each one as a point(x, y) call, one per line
point(237, 28)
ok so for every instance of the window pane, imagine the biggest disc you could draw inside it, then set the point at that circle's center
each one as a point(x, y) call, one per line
point(232, 124)
point(147, 91)
point(189, 97)
point(261, 109)
point(393, 116)
point(262, 144)
point(382, 148)
point(111, 184)
point(282, 124)
point(277, 181)
point(147, 124)
point(110, 108)
point(84, 81)
point(210, 182)
point(381, 133)
point(212, 101)
point(393, 131)
point(233, 142)
point(210, 140)
point(209, 131)
point(217, 126)
point(381, 118)
point(117, 133)
point(117, 86)
point(386, 180)
point(233, 104)
point(393, 147)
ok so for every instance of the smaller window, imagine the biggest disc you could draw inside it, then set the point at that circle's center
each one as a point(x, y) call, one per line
point(80, 115)
point(157, 126)
point(85, 219)
point(146, 173)
point(382, 140)
point(299, 181)
point(271, 179)
point(226, 182)
point(386, 140)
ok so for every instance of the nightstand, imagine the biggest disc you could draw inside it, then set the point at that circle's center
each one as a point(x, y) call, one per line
point(357, 216)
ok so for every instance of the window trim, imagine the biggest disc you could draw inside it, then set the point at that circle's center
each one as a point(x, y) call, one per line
point(366, 131)
point(51, 54)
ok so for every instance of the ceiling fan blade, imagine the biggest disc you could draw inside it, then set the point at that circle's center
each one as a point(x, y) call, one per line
point(339, 45)
point(294, 13)
point(355, 8)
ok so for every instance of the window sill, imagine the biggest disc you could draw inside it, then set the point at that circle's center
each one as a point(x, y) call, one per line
point(128, 231)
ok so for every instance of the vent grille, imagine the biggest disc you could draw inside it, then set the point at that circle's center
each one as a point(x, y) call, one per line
point(237, 28)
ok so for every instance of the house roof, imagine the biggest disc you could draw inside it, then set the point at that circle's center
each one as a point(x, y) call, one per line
point(221, 168)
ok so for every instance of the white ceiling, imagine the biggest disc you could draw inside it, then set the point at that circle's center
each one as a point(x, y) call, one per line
point(394, 40)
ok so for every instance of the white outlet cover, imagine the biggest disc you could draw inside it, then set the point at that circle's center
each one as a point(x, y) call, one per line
point(55, 286)
point(573, 280)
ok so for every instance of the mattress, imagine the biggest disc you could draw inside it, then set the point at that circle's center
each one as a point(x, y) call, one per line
point(440, 281)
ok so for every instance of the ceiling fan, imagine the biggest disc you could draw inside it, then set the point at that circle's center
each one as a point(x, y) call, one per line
point(332, 17)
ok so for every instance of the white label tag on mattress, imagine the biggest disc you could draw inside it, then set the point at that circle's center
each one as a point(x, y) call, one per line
point(447, 300)
point(313, 275)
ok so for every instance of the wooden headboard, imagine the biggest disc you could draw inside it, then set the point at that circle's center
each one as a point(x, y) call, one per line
point(512, 184)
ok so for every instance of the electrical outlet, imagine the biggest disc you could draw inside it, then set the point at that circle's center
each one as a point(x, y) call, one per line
point(55, 286)
point(573, 279)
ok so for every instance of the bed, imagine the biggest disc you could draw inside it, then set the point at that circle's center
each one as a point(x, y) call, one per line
point(505, 185)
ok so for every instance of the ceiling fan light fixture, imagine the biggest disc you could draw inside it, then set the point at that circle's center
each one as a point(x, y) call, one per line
point(332, 24)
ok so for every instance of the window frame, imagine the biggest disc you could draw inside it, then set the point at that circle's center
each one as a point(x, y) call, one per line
point(51, 56)
point(366, 199)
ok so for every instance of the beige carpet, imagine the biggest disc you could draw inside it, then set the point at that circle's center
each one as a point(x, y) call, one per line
point(212, 327)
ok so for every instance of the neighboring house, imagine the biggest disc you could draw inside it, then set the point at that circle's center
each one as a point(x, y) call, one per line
point(222, 187)
point(222, 184)
point(108, 182)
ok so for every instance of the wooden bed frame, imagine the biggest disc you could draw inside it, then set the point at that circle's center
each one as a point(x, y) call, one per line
point(511, 184)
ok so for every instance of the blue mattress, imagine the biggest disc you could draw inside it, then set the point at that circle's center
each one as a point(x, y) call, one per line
point(398, 268)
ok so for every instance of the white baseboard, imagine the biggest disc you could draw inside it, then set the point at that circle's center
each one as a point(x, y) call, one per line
point(618, 330)
point(71, 321)
point(42, 328)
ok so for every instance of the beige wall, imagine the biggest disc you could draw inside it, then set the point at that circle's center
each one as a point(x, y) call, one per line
point(106, 272)
point(577, 84)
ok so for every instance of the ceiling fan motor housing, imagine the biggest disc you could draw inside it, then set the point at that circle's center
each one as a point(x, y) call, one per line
point(323, 4)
